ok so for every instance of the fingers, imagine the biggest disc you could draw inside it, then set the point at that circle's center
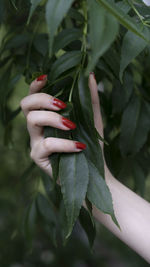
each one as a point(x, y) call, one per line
point(39, 109)
point(41, 101)
point(38, 84)
point(95, 103)
point(36, 120)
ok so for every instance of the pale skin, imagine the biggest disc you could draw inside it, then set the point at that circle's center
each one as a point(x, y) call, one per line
point(132, 211)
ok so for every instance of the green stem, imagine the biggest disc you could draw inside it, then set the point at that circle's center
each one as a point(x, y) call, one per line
point(14, 5)
point(59, 93)
point(136, 12)
point(73, 84)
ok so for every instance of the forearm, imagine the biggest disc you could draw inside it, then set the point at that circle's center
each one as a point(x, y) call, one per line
point(133, 215)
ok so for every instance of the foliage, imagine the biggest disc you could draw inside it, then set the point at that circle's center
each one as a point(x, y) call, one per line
point(68, 39)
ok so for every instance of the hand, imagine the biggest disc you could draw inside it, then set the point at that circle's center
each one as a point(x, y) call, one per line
point(39, 110)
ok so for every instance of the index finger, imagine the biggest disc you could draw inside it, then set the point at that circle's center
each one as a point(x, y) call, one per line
point(38, 84)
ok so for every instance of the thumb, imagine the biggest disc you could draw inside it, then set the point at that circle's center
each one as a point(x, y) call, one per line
point(95, 103)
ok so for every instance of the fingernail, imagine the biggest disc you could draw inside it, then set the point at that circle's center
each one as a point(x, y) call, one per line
point(92, 73)
point(71, 125)
point(58, 103)
point(41, 78)
point(80, 145)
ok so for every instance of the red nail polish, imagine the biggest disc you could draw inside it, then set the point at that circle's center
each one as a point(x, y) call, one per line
point(80, 145)
point(71, 125)
point(92, 73)
point(58, 103)
point(41, 78)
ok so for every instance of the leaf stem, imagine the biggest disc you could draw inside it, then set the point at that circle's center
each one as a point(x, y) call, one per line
point(135, 10)
point(14, 5)
point(74, 81)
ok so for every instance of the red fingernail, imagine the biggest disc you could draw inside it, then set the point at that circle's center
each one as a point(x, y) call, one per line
point(41, 78)
point(80, 145)
point(58, 103)
point(71, 125)
point(92, 73)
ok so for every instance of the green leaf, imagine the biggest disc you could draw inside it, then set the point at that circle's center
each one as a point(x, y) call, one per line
point(30, 220)
point(74, 178)
point(123, 18)
point(122, 92)
point(55, 12)
point(34, 4)
point(46, 210)
point(135, 125)
point(65, 62)
point(63, 222)
point(98, 192)
point(2, 10)
point(67, 111)
point(65, 37)
point(143, 9)
point(84, 117)
point(41, 43)
point(103, 31)
point(112, 59)
point(17, 41)
point(87, 224)
point(124, 5)
point(14, 4)
point(132, 46)
point(13, 114)
point(89, 209)
point(74, 14)
point(101, 138)
point(85, 102)
point(53, 193)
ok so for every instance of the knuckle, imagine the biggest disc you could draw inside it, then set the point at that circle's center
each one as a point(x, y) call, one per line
point(23, 103)
point(31, 118)
point(43, 95)
point(47, 144)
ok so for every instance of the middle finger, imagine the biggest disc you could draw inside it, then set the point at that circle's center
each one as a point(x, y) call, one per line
point(41, 101)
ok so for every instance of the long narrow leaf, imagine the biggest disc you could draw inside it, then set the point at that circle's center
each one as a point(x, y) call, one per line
point(34, 4)
point(103, 31)
point(132, 46)
point(55, 12)
point(74, 178)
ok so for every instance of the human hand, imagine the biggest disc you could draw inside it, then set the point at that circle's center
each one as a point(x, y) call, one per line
point(40, 110)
